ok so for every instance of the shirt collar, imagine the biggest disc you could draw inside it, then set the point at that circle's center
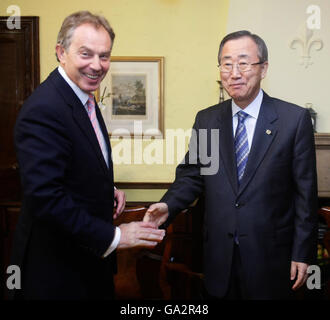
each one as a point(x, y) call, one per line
point(83, 96)
point(252, 109)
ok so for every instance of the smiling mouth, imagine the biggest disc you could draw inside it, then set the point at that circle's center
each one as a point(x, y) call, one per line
point(91, 76)
point(237, 85)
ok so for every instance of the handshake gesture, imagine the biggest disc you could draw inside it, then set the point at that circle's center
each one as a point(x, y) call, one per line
point(157, 213)
point(142, 233)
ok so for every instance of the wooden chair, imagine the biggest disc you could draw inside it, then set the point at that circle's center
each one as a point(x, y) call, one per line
point(171, 270)
point(138, 268)
point(181, 275)
point(126, 283)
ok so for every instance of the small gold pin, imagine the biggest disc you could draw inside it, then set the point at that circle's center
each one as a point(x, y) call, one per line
point(268, 131)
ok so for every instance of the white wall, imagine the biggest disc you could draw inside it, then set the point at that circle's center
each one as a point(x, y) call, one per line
point(279, 23)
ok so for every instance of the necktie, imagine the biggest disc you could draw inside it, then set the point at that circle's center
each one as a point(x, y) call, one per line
point(241, 145)
point(92, 116)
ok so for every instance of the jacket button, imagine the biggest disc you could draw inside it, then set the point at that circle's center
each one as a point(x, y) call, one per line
point(237, 205)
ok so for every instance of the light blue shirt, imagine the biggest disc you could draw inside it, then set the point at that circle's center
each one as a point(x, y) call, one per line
point(83, 97)
point(250, 122)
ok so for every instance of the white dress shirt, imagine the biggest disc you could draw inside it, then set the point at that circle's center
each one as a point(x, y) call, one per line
point(83, 97)
point(250, 122)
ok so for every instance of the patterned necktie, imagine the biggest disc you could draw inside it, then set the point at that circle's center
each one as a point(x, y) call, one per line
point(241, 145)
point(92, 116)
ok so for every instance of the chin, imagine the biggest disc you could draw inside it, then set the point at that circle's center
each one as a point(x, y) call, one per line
point(236, 97)
point(89, 88)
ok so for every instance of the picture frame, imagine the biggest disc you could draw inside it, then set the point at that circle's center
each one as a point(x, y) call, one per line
point(131, 96)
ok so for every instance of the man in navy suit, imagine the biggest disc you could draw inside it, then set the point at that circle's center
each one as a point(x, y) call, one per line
point(260, 223)
point(65, 239)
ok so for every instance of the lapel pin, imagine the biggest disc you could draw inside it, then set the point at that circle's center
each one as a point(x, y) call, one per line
point(268, 131)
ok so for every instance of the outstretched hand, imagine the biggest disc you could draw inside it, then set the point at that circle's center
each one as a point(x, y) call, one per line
point(157, 213)
point(139, 234)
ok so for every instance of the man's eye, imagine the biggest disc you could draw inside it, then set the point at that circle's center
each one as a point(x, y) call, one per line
point(228, 65)
point(243, 64)
point(85, 54)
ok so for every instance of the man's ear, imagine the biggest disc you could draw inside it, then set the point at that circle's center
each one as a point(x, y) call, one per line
point(60, 53)
point(264, 69)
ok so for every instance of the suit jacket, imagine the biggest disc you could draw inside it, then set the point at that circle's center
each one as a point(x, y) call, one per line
point(66, 221)
point(273, 210)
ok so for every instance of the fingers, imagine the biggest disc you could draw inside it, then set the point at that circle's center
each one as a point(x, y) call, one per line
point(293, 270)
point(120, 199)
point(157, 213)
point(139, 234)
point(152, 210)
point(298, 271)
point(148, 224)
point(151, 234)
point(301, 279)
point(120, 206)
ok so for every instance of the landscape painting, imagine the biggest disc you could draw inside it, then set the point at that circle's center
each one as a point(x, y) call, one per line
point(129, 96)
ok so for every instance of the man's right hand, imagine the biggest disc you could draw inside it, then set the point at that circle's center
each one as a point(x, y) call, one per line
point(157, 213)
point(139, 234)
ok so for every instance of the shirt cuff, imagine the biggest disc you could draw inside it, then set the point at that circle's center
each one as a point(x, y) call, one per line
point(114, 243)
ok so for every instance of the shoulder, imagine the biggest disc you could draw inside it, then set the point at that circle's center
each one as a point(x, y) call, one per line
point(45, 107)
point(44, 92)
point(45, 98)
point(214, 111)
point(290, 116)
point(283, 107)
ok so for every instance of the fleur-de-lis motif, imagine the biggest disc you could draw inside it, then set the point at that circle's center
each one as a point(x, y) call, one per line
point(307, 43)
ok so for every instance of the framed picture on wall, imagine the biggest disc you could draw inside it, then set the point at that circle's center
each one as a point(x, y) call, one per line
point(131, 97)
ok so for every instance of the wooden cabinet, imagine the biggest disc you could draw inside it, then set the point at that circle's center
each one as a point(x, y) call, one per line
point(19, 56)
point(19, 67)
point(322, 142)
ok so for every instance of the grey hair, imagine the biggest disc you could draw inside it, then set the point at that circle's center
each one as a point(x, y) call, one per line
point(73, 21)
point(262, 48)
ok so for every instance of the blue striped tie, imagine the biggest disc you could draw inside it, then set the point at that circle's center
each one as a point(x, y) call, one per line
point(241, 145)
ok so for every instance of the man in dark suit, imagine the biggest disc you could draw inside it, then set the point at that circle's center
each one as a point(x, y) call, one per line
point(260, 223)
point(65, 237)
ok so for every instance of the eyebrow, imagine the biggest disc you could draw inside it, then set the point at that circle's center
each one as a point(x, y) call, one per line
point(84, 48)
point(240, 56)
point(88, 49)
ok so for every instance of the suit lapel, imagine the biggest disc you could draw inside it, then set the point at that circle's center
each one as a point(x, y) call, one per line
point(226, 139)
point(80, 116)
point(104, 131)
point(264, 135)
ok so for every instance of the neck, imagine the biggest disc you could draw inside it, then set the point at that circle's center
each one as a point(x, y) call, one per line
point(244, 103)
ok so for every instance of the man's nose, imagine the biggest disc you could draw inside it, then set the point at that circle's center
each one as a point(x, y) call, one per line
point(236, 73)
point(96, 64)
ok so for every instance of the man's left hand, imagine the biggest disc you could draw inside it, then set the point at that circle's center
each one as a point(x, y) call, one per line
point(120, 202)
point(298, 271)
